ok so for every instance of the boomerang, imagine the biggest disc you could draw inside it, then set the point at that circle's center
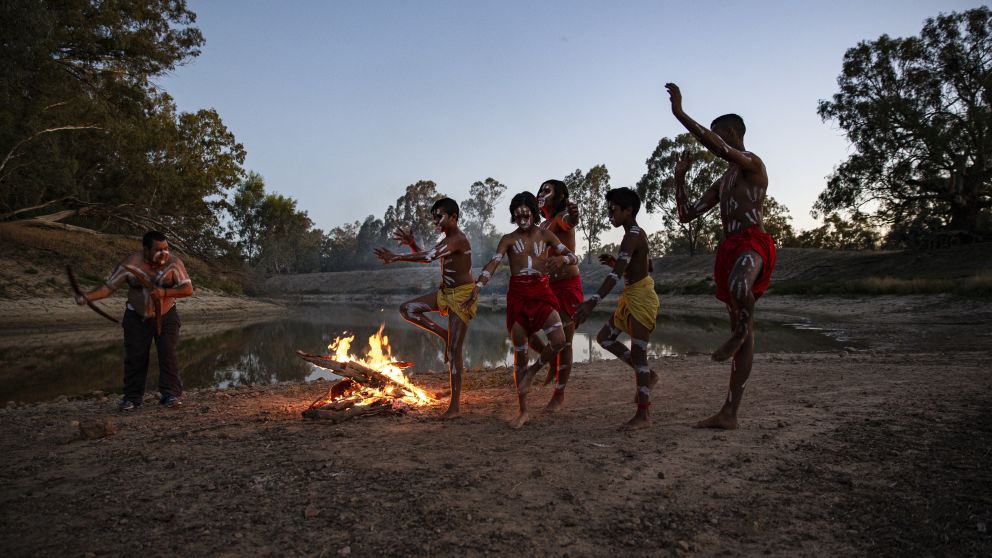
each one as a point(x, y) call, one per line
point(151, 287)
point(79, 293)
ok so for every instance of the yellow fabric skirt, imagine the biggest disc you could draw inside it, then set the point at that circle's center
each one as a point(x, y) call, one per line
point(640, 302)
point(452, 299)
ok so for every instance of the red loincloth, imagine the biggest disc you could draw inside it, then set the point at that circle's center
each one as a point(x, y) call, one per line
point(568, 291)
point(529, 302)
point(750, 239)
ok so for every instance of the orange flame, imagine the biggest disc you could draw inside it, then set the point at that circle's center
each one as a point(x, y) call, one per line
point(379, 357)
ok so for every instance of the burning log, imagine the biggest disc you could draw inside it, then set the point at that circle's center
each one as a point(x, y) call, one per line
point(355, 371)
point(369, 386)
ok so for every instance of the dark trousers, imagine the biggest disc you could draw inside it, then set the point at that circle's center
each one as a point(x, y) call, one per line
point(138, 336)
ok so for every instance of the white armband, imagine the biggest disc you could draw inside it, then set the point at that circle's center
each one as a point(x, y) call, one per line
point(595, 298)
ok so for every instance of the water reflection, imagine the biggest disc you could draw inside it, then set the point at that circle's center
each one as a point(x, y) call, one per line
point(264, 353)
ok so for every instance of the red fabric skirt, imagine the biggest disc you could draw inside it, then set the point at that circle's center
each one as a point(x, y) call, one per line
point(568, 291)
point(529, 302)
point(751, 239)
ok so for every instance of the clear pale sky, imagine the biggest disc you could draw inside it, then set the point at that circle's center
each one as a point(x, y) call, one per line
point(341, 105)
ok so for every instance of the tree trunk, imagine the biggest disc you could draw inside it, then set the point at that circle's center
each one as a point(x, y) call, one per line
point(965, 209)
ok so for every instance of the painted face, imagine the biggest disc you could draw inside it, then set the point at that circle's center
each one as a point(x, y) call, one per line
point(523, 217)
point(546, 198)
point(442, 221)
point(158, 254)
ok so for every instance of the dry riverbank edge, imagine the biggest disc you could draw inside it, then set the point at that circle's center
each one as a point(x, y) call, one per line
point(882, 451)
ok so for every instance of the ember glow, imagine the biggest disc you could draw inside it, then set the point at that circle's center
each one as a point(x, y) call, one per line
point(379, 357)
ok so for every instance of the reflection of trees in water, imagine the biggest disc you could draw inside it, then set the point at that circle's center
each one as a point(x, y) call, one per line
point(259, 354)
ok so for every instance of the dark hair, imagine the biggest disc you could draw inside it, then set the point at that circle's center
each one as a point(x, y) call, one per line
point(732, 121)
point(624, 197)
point(560, 190)
point(528, 199)
point(152, 236)
point(449, 206)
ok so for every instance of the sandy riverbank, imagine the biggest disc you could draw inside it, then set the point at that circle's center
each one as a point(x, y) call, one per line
point(881, 451)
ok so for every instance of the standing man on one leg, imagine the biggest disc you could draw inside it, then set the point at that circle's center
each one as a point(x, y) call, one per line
point(561, 217)
point(637, 309)
point(746, 256)
point(166, 274)
point(530, 304)
point(456, 287)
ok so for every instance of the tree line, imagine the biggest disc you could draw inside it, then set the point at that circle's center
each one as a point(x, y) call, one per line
point(88, 138)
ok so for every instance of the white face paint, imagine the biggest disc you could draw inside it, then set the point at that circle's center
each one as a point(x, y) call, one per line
point(546, 198)
point(442, 221)
point(523, 218)
point(157, 253)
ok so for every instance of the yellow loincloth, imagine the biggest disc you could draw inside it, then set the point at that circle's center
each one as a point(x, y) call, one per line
point(638, 301)
point(452, 299)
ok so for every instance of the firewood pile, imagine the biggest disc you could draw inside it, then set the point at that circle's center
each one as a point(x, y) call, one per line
point(363, 390)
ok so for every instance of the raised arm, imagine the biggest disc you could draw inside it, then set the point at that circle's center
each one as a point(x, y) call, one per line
point(710, 197)
point(710, 140)
point(405, 237)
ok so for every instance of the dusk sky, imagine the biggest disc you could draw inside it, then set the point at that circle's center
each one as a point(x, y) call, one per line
point(341, 105)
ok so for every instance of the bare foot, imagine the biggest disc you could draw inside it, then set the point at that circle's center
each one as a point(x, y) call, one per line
point(729, 348)
point(521, 419)
point(527, 380)
point(719, 420)
point(451, 413)
point(640, 420)
point(557, 400)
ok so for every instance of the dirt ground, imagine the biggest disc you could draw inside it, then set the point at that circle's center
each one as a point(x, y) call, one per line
point(884, 451)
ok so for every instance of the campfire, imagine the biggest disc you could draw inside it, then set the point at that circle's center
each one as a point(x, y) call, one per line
point(370, 385)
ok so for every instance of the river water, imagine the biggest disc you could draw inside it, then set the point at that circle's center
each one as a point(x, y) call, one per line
point(264, 353)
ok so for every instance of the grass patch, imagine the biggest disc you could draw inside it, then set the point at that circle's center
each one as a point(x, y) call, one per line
point(975, 286)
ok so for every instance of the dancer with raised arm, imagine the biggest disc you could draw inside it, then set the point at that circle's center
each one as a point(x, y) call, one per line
point(746, 255)
point(456, 287)
point(637, 309)
point(530, 304)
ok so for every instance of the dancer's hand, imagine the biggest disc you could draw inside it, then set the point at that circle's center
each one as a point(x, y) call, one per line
point(405, 236)
point(582, 312)
point(556, 264)
point(472, 299)
point(572, 210)
point(608, 260)
point(385, 255)
point(675, 96)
